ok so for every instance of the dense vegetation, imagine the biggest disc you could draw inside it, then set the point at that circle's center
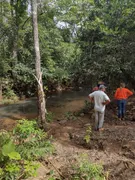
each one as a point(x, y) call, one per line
point(80, 43)
point(21, 149)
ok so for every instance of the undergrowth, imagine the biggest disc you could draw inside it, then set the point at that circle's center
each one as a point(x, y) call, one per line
point(88, 134)
point(21, 149)
point(86, 170)
point(83, 169)
point(9, 97)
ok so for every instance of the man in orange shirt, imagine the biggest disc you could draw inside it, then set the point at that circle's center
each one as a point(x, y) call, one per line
point(121, 96)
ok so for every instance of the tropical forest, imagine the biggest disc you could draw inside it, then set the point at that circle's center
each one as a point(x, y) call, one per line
point(67, 89)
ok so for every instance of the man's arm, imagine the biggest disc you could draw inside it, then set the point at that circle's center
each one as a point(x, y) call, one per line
point(106, 102)
point(91, 97)
point(129, 93)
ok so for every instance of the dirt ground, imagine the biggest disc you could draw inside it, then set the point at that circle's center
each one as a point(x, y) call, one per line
point(114, 147)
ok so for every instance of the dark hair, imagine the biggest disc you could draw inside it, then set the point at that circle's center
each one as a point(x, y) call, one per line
point(122, 85)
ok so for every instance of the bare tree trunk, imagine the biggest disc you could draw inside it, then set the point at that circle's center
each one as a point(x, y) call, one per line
point(15, 32)
point(41, 96)
point(0, 90)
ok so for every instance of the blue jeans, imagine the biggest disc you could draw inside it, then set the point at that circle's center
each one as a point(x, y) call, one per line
point(121, 108)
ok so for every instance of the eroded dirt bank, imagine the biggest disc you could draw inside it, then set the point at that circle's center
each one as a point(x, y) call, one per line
point(114, 147)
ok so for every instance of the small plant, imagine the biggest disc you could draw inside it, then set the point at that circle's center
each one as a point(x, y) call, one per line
point(70, 115)
point(33, 142)
point(12, 170)
point(9, 157)
point(49, 117)
point(87, 136)
point(25, 128)
point(53, 176)
point(88, 171)
point(30, 169)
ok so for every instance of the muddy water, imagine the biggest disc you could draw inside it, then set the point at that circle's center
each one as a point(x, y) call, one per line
point(66, 102)
point(57, 103)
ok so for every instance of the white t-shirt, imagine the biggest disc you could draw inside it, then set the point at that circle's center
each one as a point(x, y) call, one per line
point(99, 97)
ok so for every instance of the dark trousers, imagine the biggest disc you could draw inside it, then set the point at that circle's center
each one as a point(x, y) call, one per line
point(121, 108)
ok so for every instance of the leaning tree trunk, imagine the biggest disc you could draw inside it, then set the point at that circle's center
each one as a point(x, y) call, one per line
point(41, 96)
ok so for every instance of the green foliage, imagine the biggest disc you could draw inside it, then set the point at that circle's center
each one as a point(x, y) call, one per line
point(8, 150)
point(30, 168)
point(9, 94)
point(80, 42)
point(87, 136)
point(19, 150)
point(9, 157)
point(70, 116)
point(25, 128)
point(1, 172)
point(4, 137)
point(87, 171)
point(12, 169)
point(49, 117)
point(53, 176)
point(33, 142)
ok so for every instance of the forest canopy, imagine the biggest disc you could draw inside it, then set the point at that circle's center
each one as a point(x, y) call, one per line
point(80, 43)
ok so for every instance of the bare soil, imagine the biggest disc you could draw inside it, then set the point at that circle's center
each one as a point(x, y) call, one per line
point(114, 147)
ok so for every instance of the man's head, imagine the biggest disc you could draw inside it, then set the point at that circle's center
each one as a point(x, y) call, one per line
point(102, 87)
point(100, 83)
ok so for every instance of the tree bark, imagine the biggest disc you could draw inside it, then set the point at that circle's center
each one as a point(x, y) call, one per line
point(41, 96)
point(0, 90)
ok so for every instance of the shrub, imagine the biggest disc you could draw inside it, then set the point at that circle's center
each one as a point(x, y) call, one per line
point(88, 134)
point(9, 97)
point(19, 150)
point(88, 171)
point(49, 117)
point(33, 142)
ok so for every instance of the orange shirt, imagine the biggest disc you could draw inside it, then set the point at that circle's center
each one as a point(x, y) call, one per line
point(122, 93)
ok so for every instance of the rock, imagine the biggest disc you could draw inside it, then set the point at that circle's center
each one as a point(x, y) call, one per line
point(130, 103)
point(86, 125)
point(63, 122)
point(82, 114)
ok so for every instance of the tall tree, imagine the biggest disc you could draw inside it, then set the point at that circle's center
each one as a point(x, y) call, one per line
point(41, 96)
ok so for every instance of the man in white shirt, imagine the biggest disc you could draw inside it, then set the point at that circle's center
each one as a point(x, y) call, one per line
point(100, 100)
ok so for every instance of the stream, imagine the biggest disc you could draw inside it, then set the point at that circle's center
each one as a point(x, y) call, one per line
point(58, 103)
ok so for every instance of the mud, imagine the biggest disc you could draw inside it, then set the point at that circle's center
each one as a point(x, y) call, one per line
point(114, 147)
